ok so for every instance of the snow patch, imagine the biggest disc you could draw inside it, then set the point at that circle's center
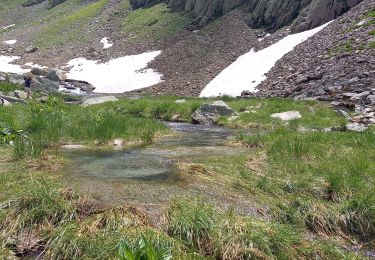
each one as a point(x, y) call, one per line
point(7, 67)
point(106, 43)
point(118, 75)
point(10, 42)
point(249, 70)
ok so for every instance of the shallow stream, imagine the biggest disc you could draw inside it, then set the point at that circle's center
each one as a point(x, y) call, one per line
point(149, 177)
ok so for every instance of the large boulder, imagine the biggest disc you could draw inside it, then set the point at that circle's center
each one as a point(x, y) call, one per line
point(54, 75)
point(31, 49)
point(38, 72)
point(208, 114)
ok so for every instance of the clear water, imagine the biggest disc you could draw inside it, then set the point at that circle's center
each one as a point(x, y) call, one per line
point(156, 162)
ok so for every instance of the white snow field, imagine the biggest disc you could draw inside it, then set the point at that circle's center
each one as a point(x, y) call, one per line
point(106, 43)
point(249, 70)
point(7, 67)
point(118, 75)
point(10, 42)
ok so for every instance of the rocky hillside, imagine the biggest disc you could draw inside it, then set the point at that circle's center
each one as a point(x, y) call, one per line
point(198, 39)
point(338, 64)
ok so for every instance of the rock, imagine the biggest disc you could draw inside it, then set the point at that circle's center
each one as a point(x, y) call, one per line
point(118, 143)
point(208, 114)
point(20, 94)
point(13, 99)
point(2, 78)
point(360, 96)
point(370, 99)
point(176, 118)
point(180, 101)
point(98, 100)
point(54, 75)
point(73, 146)
point(233, 118)
point(287, 116)
point(4, 103)
point(38, 72)
point(31, 49)
point(356, 127)
point(344, 114)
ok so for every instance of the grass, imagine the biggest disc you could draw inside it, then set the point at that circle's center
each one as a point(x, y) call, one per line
point(39, 126)
point(314, 114)
point(9, 87)
point(47, 125)
point(313, 189)
point(156, 22)
point(324, 174)
point(67, 27)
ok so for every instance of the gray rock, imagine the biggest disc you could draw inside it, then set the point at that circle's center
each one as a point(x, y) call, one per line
point(360, 96)
point(31, 49)
point(208, 114)
point(2, 78)
point(54, 75)
point(4, 103)
point(287, 116)
point(13, 99)
point(98, 100)
point(356, 127)
point(371, 99)
point(344, 114)
point(38, 72)
point(20, 94)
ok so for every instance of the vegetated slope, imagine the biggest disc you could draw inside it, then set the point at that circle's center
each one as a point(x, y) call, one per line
point(338, 60)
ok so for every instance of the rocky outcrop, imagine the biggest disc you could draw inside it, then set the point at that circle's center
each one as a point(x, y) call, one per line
point(320, 12)
point(336, 65)
point(271, 15)
point(208, 114)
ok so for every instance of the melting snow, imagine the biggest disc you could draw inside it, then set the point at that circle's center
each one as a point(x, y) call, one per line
point(106, 43)
point(118, 75)
point(6, 67)
point(250, 69)
point(10, 42)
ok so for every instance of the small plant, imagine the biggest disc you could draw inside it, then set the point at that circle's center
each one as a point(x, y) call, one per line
point(142, 250)
point(193, 222)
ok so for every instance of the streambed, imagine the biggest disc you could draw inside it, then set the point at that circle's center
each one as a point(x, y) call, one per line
point(148, 177)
